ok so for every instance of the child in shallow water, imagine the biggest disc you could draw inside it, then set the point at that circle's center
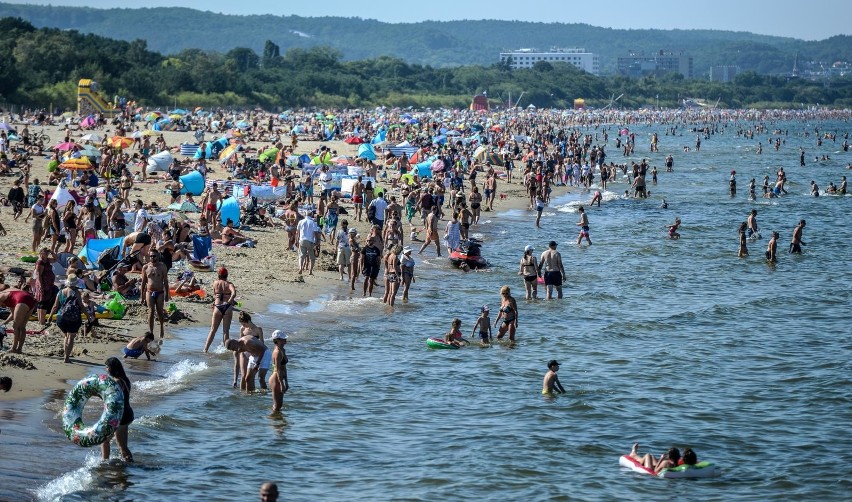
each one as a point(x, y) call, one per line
point(484, 325)
point(454, 336)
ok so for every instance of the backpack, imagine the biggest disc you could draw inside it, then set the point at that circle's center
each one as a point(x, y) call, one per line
point(69, 311)
point(371, 213)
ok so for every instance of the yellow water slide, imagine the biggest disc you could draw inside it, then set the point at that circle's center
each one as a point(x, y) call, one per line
point(90, 102)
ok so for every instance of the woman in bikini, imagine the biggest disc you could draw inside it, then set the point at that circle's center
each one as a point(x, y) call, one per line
point(53, 226)
point(407, 266)
point(37, 213)
point(248, 328)
point(21, 304)
point(224, 297)
point(529, 269)
point(69, 219)
point(669, 459)
point(475, 199)
point(230, 236)
point(278, 380)
point(393, 271)
point(508, 314)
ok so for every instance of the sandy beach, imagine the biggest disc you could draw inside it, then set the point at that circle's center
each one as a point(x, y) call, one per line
point(266, 273)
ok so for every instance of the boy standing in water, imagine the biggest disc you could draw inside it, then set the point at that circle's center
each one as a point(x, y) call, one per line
point(484, 325)
point(584, 226)
point(551, 381)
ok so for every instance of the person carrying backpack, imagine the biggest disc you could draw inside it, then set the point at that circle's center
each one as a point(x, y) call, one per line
point(69, 313)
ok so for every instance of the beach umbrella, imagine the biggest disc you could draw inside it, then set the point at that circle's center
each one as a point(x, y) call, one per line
point(89, 151)
point(268, 155)
point(120, 142)
point(342, 159)
point(5, 126)
point(437, 166)
point(175, 116)
point(153, 116)
point(94, 138)
point(228, 152)
point(65, 146)
point(242, 124)
point(234, 133)
point(178, 111)
point(353, 140)
point(76, 164)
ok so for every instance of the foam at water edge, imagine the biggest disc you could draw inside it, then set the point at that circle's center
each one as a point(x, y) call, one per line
point(175, 378)
point(70, 482)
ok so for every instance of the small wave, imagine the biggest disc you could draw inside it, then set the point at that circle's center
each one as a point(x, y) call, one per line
point(70, 482)
point(175, 379)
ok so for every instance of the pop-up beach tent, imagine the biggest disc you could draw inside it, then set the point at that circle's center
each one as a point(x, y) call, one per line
point(159, 162)
point(192, 183)
point(94, 247)
point(230, 210)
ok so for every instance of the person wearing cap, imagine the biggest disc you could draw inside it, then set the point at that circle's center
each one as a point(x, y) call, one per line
point(551, 380)
point(483, 323)
point(406, 263)
point(529, 269)
point(278, 380)
point(550, 267)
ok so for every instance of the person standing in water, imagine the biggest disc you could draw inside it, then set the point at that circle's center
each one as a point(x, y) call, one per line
point(116, 371)
point(584, 226)
point(796, 243)
point(743, 251)
point(772, 248)
point(551, 383)
point(553, 272)
point(278, 383)
point(508, 314)
point(753, 232)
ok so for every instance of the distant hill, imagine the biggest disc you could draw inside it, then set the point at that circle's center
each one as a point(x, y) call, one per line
point(439, 44)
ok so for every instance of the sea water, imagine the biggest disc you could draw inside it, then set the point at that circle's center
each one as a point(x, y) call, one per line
point(662, 342)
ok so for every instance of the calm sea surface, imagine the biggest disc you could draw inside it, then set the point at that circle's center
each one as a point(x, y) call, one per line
point(662, 342)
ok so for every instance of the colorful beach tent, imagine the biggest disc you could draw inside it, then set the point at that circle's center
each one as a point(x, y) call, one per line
point(62, 196)
point(94, 247)
point(365, 151)
point(159, 162)
point(230, 209)
point(192, 183)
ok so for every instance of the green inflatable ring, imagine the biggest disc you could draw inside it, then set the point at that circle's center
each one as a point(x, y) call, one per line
point(106, 388)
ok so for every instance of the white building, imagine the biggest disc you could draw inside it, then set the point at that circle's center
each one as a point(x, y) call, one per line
point(526, 58)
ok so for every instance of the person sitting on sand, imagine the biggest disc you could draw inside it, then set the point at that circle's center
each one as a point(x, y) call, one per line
point(231, 236)
point(669, 459)
point(185, 284)
point(139, 346)
point(127, 288)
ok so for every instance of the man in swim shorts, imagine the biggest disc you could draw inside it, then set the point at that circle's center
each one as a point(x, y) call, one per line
point(584, 226)
point(155, 290)
point(139, 346)
point(260, 358)
point(796, 243)
point(554, 272)
point(358, 198)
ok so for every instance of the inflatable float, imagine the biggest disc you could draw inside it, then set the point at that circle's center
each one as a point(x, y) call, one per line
point(103, 387)
point(699, 470)
point(440, 343)
point(99, 315)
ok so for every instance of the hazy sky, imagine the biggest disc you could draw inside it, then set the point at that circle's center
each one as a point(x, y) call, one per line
point(806, 20)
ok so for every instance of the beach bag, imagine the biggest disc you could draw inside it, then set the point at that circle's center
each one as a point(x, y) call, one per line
point(69, 314)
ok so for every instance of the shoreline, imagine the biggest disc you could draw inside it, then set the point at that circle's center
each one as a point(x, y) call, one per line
point(41, 371)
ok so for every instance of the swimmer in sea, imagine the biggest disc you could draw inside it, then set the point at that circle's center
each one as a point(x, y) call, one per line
point(753, 232)
point(673, 233)
point(743, 251)
point(668, 459)
point(551, 383)
point(772, 248)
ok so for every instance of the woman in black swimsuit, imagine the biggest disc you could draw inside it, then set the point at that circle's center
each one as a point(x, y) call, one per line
point(224, 297)
point(508, 314)
point(69, 219)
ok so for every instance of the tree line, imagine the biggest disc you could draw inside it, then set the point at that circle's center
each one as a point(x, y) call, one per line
point(43, 65)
